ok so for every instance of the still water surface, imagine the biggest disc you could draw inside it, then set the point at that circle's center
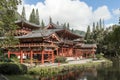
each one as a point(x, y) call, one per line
point(103, 73)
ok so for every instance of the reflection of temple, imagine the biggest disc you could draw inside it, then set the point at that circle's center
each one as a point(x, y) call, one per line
point(43, 45)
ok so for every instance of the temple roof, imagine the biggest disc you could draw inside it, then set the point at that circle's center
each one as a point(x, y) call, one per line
point(25, 23)
point(88, 45)
point(53, 26)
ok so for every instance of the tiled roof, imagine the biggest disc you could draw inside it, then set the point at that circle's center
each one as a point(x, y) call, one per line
point(88, 45)
point(24, 21)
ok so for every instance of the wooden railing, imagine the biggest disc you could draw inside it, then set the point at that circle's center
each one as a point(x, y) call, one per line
point(33, 45)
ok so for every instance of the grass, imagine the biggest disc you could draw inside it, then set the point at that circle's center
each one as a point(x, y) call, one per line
point(20, 77)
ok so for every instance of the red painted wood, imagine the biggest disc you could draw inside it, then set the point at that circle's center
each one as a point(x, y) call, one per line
point(31, 57)
point(42, 57)
point(21, 56)
point(8, 54)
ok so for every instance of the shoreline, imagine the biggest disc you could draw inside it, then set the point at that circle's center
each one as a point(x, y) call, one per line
point(44, 71)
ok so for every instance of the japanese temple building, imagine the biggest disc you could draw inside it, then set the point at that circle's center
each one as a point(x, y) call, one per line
point(42, 45)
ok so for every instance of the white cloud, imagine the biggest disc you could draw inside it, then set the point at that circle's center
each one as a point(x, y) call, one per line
point(116, 11)
point(77, 13)
point(101, 12)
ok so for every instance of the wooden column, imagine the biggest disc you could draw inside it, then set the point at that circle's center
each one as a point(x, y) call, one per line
point(62, 51)
point(57, 51)
point(31, 56)
point(42, 57)
point(21, 56)
point(52, 57)
point(8, 54)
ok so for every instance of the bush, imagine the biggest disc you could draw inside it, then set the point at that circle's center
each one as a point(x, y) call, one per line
point(99, 56)
point(60, 59)
point(12, 68)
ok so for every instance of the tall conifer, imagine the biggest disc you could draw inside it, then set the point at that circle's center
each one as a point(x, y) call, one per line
point(32, 17)
point(23, 14)
point(42, 24)
point(87, 36)
point(37, 17)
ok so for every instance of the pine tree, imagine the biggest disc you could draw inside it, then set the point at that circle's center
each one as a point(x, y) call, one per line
point(72, 30)
point(32, 17)
point(68, 26)
point(37, 17)
point(93, 26)
point(97, 26)
point(42, 24)
point(57, 23)
point(103, 24)
point(64, 26)
point(119, 20)
point(23, 14)
point(87, 36)
point(100, 24)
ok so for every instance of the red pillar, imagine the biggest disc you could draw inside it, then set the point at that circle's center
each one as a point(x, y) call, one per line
point(57, 51)
point(31, 56)
point(62, 51)
point(8, 54)
point(21, 56)
point(52, 57)
point(42, 57)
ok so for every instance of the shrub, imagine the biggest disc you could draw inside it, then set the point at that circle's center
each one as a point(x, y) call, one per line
point(60, 59)
point(99, 56)
point(12, 68)
point(23, 68)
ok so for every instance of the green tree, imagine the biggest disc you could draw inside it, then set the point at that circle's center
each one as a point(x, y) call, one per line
point(57, 23)
point(93, 26)
point(32, 17)
point(97, 26)
point(7, 18)
point(64, 26)
point(23, 13)
point(87, 36)
point(115, 39)
point(100, 24)
point(68, 26)
point(42, 24)
point(37, 17)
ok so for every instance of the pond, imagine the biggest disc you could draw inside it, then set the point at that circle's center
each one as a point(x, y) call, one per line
point(102, 73)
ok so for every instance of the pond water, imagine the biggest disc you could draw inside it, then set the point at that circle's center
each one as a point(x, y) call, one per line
point(102, 73)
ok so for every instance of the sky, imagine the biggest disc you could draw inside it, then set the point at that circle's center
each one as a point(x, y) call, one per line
point(79, 13)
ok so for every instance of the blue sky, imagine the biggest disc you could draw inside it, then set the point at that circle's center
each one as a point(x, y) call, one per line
point(112, 4)
point(109, 10)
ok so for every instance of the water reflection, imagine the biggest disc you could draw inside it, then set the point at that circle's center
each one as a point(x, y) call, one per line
point(103, 73)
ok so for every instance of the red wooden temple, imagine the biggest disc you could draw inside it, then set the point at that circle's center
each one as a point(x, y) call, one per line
point(43, 45)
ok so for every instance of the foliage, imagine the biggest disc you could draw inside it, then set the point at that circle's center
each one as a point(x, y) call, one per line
point(87, 36)
point(37, 17)
point(7, 26)
point(99, 56)
point(23, 13)
point(12, 68)
point(20, 77)
point(34, 17)
point(42, 24)
point(60, 59)
point(44, 71)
